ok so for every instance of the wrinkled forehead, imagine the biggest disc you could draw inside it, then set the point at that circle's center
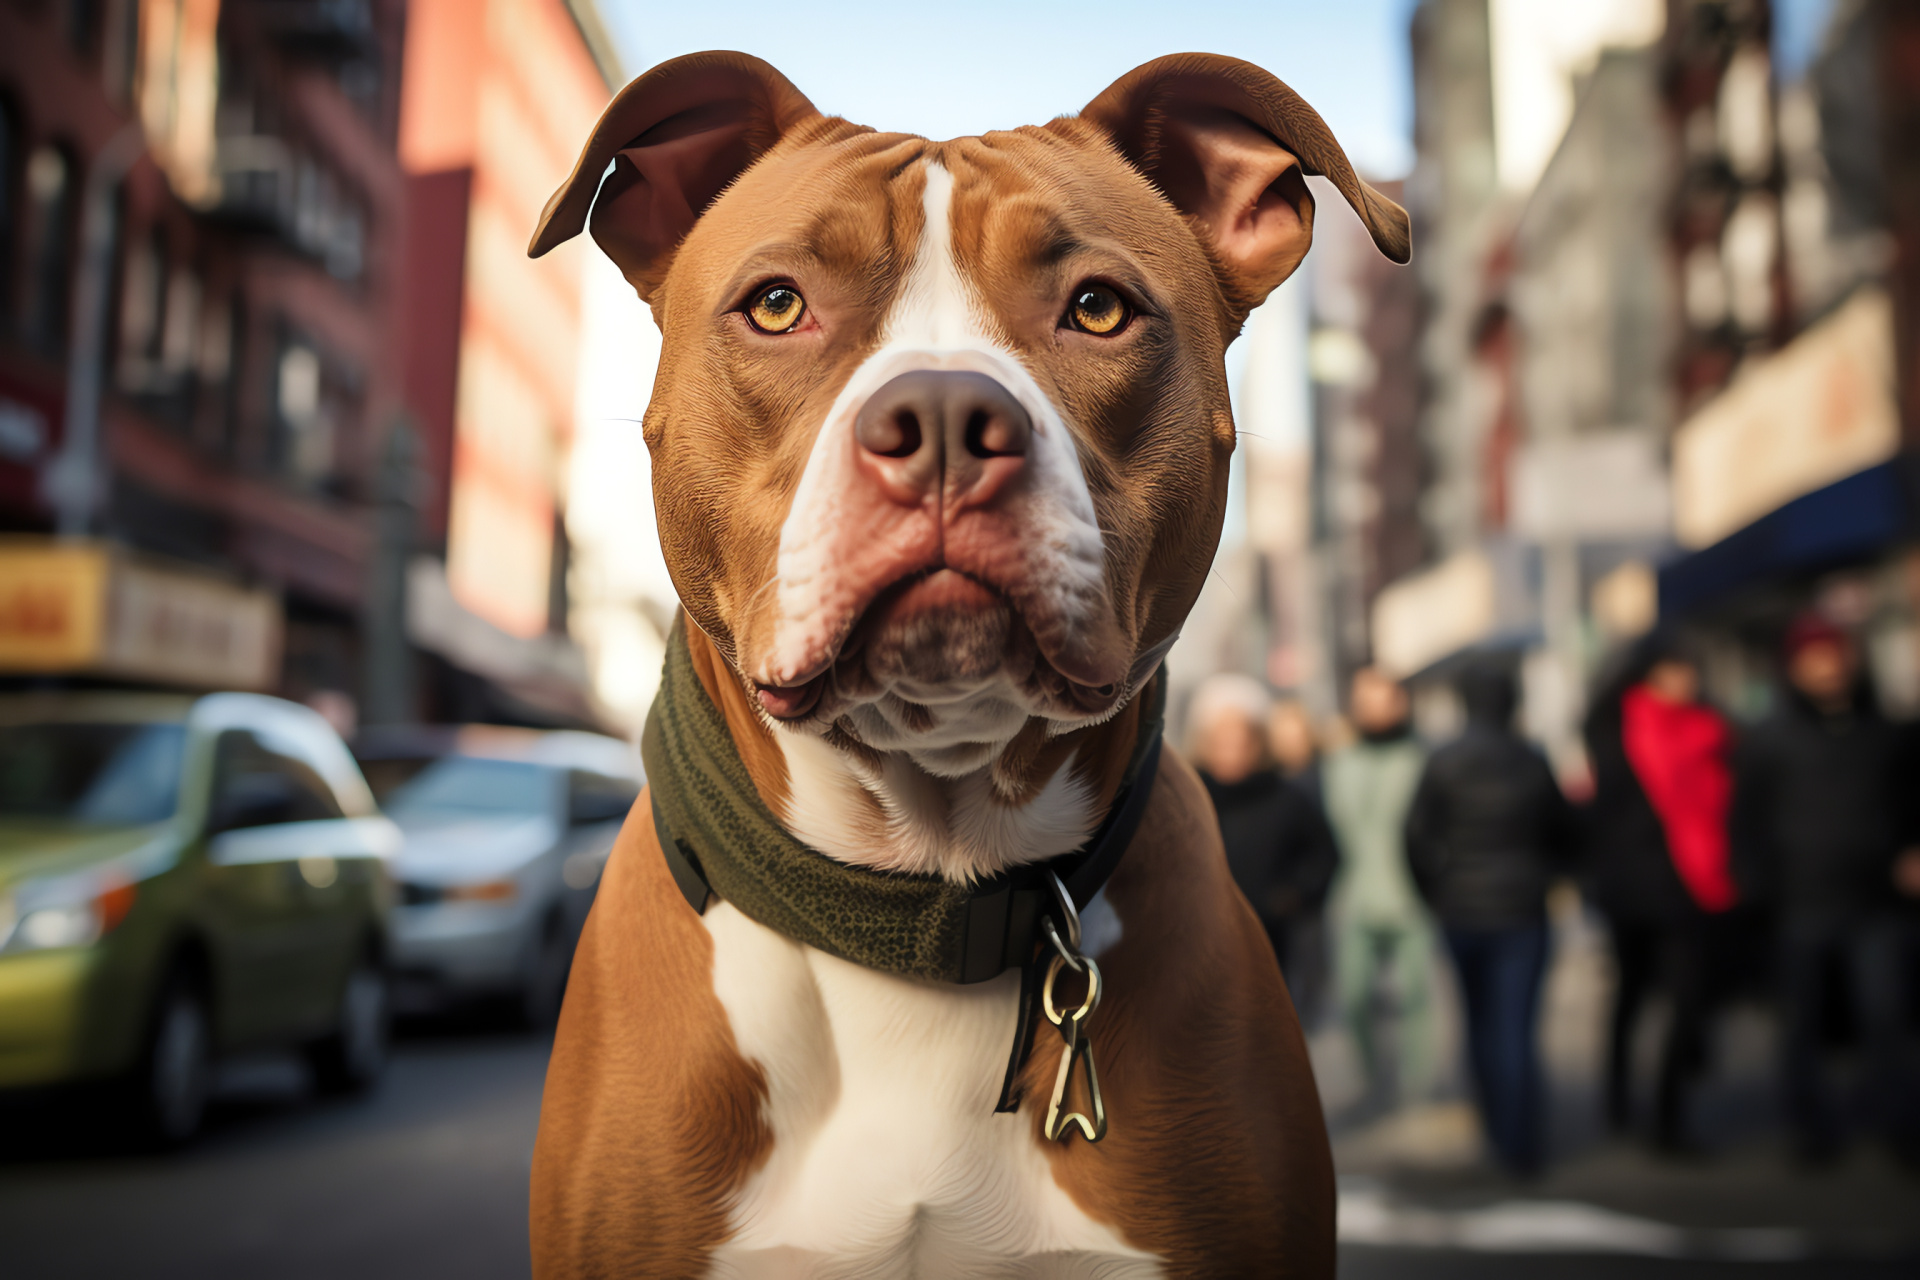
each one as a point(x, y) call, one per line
point(855, 209)
point(1034, 204)
point(852, 208)
point(1056, 191)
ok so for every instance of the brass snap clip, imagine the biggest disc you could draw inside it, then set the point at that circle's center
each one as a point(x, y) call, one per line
point(1071, 1022)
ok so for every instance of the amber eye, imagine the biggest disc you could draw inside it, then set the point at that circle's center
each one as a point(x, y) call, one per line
point(1098, 310)
point(776, 308)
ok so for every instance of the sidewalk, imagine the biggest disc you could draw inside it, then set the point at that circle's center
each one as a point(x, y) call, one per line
point(1419, 1198)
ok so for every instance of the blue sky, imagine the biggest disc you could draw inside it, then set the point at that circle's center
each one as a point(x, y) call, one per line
point(1797, 28)
point(950, 69)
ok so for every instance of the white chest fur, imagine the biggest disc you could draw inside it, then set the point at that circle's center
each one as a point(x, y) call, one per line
point(887, 1158)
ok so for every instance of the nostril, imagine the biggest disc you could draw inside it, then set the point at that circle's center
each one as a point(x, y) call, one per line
point(906, 427)
point(891, 435)
point(976, 434)
point(991, 435)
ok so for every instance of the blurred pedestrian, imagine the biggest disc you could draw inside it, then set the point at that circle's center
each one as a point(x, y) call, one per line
point(1295, 741)
point(1658, 865)
point(1381, 932)
point(1487, 833)
point(1278, 846)
point(1818, 807)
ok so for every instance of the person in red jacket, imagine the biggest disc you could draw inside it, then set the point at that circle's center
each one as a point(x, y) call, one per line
point(1660, 864)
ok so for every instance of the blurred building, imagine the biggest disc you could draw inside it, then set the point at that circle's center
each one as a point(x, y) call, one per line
point(499, 96)
point(1455, 198)
point(273, 364)
point(1794, 476)
point(1370, 465)
point(201, 212)
point(1589, 307)
point(1727, 222)
point(1663, 358)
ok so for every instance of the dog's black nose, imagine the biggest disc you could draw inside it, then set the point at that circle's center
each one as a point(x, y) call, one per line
point(958, 430)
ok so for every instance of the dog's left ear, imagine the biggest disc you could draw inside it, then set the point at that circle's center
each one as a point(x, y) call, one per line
point(1230, 146)
point(676, 137)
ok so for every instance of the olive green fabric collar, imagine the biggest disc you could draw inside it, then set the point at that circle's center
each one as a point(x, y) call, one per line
point(719, 835)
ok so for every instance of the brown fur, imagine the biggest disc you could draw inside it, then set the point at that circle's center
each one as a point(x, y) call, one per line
point(1179, 186)
point(1217, 1157)
point(651, 1119)
point(751, 737)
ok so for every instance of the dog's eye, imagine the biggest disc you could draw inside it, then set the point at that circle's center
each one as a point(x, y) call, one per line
point(776, 308)
point(1098, 310)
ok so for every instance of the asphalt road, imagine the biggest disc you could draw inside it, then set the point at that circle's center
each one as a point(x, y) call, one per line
point(427, 1178)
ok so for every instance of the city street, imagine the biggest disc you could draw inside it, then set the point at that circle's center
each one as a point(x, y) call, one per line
point(427, 1177)
point(1480, 437)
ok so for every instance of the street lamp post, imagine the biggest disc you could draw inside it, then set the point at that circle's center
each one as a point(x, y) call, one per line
point(72, 482)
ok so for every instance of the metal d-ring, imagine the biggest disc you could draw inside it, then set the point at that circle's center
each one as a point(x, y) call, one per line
point(1079, 1044)
point(1088, 1003)
point(1066, 914)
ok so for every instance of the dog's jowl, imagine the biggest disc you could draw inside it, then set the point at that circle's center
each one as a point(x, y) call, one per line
point(921, 958)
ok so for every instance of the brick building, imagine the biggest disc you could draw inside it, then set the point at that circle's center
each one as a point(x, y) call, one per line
point(201, 208)
point(267, 327)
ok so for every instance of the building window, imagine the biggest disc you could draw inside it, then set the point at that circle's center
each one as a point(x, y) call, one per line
point(119, 48)
point(79, 22)
point(51, 199)
point(180, 327)
point(142, 294)
point(311, 403)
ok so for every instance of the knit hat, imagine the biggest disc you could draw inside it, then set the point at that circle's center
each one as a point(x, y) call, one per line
point(1810, 629)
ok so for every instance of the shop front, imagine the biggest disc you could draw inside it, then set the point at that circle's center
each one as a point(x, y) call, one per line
point(95, 611)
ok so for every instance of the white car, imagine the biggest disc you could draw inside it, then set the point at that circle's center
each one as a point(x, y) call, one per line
point(506, 832)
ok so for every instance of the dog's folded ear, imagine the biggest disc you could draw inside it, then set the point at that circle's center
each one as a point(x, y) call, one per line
point(676, 136)
point(1229, 145)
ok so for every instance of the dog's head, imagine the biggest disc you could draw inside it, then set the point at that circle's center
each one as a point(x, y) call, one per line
point(940, 430)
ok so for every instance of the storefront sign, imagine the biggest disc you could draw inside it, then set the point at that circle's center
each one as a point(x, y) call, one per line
point(86, 608)
point(1819, 410)
point(1595, 487)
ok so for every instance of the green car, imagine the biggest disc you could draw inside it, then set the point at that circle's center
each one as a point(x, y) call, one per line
point(179, 878)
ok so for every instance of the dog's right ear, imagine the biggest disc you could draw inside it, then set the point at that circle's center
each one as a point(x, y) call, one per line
point(677, 136)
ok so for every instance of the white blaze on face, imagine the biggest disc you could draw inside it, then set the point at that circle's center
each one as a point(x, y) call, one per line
point(929, 807)
point(936, 324)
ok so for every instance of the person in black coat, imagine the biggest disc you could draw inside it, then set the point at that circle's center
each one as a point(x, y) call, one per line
point(1822, 830)
point(1664, 933)
point(1279, 847)
point(1487, 833)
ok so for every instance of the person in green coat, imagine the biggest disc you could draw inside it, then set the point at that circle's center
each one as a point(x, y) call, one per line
point(1382, 936)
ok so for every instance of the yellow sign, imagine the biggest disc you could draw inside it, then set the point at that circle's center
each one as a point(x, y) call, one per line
point(52, 605)
point(86, 608)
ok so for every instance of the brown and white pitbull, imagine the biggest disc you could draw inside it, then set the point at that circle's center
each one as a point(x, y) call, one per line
point(940, 439)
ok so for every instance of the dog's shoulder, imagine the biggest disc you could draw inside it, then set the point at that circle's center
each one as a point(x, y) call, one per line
point(651, 1119)
point(1217, 1160)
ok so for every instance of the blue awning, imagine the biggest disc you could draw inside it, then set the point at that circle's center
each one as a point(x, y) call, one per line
point(1846, 522)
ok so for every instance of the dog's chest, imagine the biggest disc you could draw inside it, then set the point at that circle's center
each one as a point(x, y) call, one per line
point(887, 1157)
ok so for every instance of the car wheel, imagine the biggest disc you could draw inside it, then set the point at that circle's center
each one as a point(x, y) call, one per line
point(352, 1057)
point(176, 1071)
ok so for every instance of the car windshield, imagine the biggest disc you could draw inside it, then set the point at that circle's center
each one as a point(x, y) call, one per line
point(103, 774)
point(465, 786)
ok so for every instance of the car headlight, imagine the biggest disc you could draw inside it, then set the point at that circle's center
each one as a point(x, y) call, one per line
point(485, 891)
point(49, 925)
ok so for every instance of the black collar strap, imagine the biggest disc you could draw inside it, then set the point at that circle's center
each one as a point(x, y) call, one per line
point(720, 839)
